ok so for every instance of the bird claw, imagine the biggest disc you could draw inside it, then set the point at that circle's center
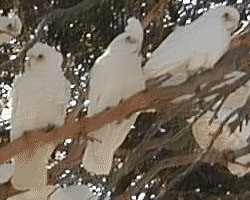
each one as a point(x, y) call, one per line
point(88, 138)
point(107, 108)
point(92, 139)
point(121, 101)
point(50, 127)
point(26, 135)
point(192, 72)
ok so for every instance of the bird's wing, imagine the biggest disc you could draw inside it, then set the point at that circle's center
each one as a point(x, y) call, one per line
point(172, 52)
point(99, 82)
point(184, 45)
point(14, 111)
point(63, 94)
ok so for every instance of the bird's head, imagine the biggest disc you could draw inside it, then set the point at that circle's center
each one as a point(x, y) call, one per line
point(229, 17)
point(41, 56)
point(131, 39)
point(10, 25)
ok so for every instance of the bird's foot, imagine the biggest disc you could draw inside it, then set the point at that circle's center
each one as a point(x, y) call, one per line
point(201, 70)
point(50, 127)
point(121, 101)
point(26, 135)
point(193, 72)
point(92, 139)
point(107, 108)
point(86, 138)
point(158, 81)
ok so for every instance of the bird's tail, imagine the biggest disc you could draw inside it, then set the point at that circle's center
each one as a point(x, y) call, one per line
point(98, 156)
point(35, 194)
point(30, 168)
point(6, 171)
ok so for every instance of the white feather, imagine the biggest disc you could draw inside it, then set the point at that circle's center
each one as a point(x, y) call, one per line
point(40, 99)
point(192, 47)
point(116, 75)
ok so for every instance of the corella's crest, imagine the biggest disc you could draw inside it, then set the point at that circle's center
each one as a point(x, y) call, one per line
point(131, 39)
point(10, 24)
point(134, 28)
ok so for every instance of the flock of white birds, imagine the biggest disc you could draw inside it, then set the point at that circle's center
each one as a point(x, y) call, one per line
point(41, 95)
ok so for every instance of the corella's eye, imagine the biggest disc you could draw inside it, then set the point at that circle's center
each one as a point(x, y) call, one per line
point(130, 40)
point(40, 57)
point(9, 26)
point(226, 16)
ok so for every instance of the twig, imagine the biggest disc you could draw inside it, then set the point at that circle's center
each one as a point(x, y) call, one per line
point(156, 13)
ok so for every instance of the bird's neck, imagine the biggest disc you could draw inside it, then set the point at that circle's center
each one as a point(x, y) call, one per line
point(43, 71)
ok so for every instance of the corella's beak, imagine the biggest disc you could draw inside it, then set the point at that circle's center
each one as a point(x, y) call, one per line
point(31, 57)
point(7, 33)
point(28, 60)
point(137, 51)
point(14, 31)
point(233, 32)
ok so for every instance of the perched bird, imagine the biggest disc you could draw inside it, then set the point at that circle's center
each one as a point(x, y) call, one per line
point(194, 47)
point(10, 26)
point(203, 131)
point(40, 99)
point(115, 76)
